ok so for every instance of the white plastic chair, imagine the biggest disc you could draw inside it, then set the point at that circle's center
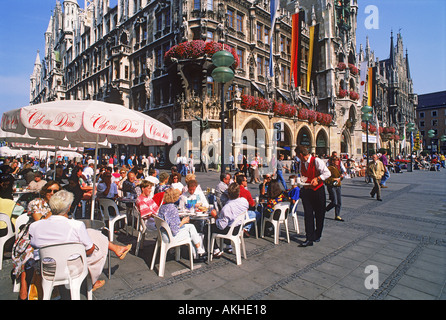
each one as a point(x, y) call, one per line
point(9, 234)
point(249, 220)
point(278, 216)
point(294, 215)
point(140, 227)
point(171, 243)
point(238, 243)
point(20, 221)
point(51, 276)
point(104, 206)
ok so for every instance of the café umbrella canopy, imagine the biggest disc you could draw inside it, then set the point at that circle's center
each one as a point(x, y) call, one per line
point(87, 121)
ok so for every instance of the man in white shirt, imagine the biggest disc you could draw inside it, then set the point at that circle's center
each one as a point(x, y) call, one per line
point(313, 196)
point(228, 214)
point(88, 172)
point(193, 196)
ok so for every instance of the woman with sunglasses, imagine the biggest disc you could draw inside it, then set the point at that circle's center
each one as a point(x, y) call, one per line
point(39, 208)
point(22, 250)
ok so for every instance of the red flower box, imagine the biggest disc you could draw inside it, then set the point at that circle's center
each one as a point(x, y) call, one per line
point(342, 93)
point(342, 66)
point(353, 69)
point(198, 48)
point(354, 95)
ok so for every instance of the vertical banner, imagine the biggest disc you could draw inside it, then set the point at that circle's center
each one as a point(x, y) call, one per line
point(274, 6)
point(313, 53)
point(403, 144)
point(362, 79)
point(378, 142)
point(371, 87)
point(295, 35)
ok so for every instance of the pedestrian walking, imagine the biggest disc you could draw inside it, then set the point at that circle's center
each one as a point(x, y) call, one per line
point(314, 171)
point(279, 170)
point(334, 187)
point(376, 172)
point(386, 175)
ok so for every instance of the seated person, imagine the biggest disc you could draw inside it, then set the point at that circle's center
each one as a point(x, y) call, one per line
point(263, 187)
point(38, 182)
point(147, 207)
point(175, 181)
point(131, 185)
point(190, 176)
point(221, 188)
point(228, 214)
point(7, 186)
point(74, 187)
point(242, 181)
point(193, 197)
point(275, 195)
point(163, 183)
point(106, 188)
point(180, 228)
point(59, 229)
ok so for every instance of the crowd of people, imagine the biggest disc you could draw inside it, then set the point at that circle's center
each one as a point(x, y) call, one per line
point(59, 187)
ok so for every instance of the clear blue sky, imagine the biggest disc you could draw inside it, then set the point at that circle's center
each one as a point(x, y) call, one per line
point(422, 24)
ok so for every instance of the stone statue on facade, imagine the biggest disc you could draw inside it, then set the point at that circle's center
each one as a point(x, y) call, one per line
point(148, 81)
point(314, 102)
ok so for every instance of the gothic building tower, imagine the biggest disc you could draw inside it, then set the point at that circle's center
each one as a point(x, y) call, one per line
point(156, 57)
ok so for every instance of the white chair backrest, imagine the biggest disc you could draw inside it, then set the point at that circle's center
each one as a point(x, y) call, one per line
point(239, 221)
point(105, 204)
point(293, 211)
point(21, 220)
point(61, 254)
point(161, 224)
point(7, 220)
point(284, 208)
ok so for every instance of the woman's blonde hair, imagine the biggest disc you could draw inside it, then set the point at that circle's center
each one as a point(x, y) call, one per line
point(171, 195)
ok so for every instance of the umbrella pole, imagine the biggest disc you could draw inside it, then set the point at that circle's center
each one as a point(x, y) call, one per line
point(93, 192)
point(55, 161)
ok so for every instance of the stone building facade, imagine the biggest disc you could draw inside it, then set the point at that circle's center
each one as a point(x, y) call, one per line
point(117, 54)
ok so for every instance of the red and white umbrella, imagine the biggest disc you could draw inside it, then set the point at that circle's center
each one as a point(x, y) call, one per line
point(87, 121)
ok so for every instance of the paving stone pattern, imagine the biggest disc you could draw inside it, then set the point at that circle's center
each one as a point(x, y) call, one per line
point(404, 237)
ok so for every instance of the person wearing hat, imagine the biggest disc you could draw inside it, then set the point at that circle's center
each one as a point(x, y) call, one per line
point(181, 228)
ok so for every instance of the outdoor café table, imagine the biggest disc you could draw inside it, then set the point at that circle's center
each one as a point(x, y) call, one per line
point(205, 217)
point(18, 192)
point(97, 225)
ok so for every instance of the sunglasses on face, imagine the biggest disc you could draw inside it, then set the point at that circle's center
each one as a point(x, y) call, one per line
point(51, 191)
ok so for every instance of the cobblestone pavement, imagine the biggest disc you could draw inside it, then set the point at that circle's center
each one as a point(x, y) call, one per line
point(390, 250)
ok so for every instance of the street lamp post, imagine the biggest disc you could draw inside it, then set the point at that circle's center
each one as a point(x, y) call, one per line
point(431, 134)
point(223, 73)
point(411, 128)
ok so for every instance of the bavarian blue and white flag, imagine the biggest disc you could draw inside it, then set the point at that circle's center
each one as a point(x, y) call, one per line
point(274, 6)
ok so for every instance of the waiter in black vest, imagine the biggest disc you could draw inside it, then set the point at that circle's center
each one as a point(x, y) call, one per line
point(313, 195)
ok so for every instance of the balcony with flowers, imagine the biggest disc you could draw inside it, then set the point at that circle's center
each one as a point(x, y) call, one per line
point(196, 49)
point(354, 95)
point(284, 110)
point(353, 69)
point(387, 133)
